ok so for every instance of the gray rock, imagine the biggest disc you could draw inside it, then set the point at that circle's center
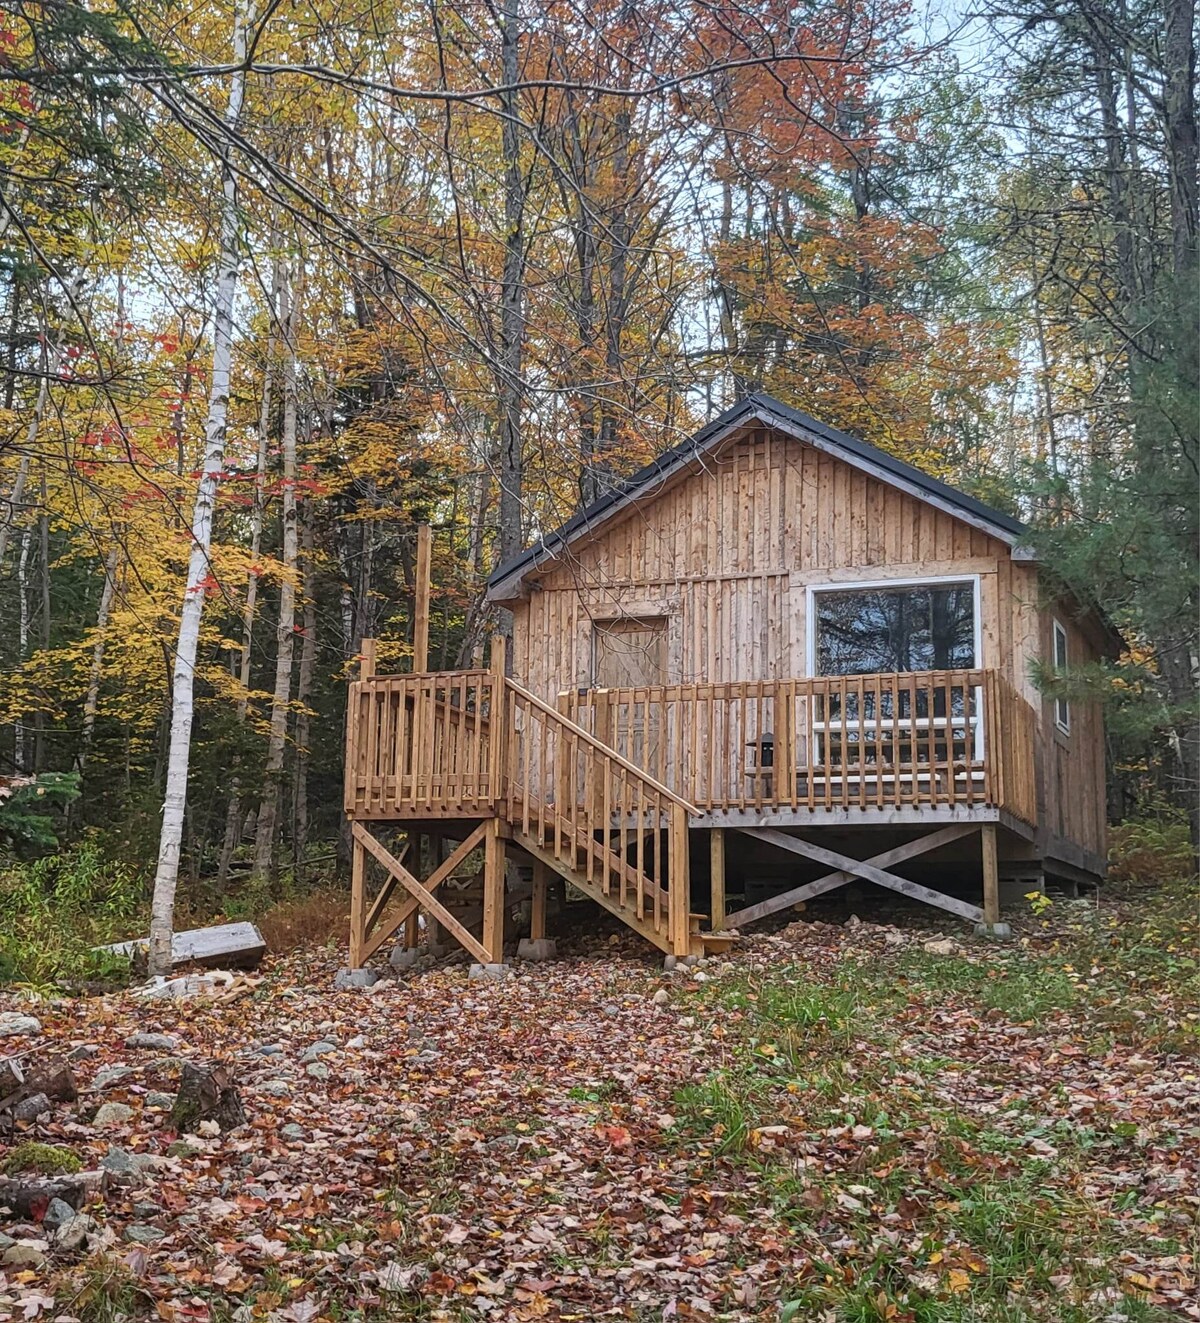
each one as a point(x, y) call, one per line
point(120, 1162)
point(72, 1234)
point(491, 973)
point(113, 1114)
point(153, 1042)
point(945, 946)
point(15, 1025)
point(57, 1213)
point(404, 957)
point(354, 978)
point(107, 1076)
point(83, 1052)
point(147, 1209)
point(611, 1008)
point(320, 1049)
point(270, 1050)
point(428, 1057)
point(537, 948)
point(29, 1109)
point(183, 1148)
point(276, 1088)
point(258, 1191)
point(661, 997)
point(691, 961)
point(669, 962)
point(292, 1131)
point(317, 1070)
point(996, 932)
point(162, 1101)
point(6, 1241)
point(141, 1233)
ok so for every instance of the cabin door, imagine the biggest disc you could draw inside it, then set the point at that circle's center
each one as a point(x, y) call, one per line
point(630, 655)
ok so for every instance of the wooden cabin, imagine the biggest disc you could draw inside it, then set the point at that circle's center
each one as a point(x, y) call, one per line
point(775, 635)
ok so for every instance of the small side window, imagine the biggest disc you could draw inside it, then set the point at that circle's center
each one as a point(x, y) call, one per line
point(1062, 709)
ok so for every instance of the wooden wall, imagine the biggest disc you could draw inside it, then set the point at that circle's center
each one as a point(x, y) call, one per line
point(1072, 799)
point(726, 551)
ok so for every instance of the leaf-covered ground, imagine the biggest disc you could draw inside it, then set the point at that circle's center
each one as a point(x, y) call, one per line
point(835, 1123)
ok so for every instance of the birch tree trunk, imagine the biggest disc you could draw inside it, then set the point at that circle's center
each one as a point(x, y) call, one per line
point(20, 758)
point(268, 813)
point(166, 877)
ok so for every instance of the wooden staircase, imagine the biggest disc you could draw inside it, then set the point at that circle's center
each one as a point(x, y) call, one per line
point(611, 830)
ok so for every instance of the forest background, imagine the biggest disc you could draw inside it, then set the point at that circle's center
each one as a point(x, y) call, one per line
point(279, 282)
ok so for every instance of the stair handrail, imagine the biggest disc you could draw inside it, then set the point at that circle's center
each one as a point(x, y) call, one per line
point(607, 750)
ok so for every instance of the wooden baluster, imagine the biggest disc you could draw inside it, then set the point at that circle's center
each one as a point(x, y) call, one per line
point(498, 727)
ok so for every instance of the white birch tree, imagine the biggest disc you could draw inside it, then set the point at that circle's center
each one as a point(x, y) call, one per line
point(162, 912)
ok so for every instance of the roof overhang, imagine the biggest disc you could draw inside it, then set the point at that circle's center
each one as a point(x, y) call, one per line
point(506, 584)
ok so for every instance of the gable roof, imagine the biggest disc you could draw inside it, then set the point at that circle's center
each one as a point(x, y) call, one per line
point(504, 583)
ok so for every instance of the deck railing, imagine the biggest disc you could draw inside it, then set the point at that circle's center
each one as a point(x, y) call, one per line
point(431, 746)
point(422, 745)
point(866, 741)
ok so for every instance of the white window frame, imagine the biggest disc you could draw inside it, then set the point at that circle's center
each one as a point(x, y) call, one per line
point(1062, 706)
point(925, 582)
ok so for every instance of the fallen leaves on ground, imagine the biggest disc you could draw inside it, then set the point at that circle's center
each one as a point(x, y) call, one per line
point(833, 1117)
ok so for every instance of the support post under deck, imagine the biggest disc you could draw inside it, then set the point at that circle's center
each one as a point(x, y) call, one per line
point(492, 937)
point(991, 874)
point(537, 917)
point(716, 873)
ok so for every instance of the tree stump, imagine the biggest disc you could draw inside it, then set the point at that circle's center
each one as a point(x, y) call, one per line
point(206, 1093)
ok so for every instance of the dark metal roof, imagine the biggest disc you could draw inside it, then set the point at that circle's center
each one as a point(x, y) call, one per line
point(767, 409)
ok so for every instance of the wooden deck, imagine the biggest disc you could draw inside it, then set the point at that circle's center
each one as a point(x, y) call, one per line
point(430, 746)
point(604, 786)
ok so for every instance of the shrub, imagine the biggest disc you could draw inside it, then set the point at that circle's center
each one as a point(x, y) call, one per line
point(1152, 847)
point(45, 1159)
point(305, 921)
point(54, 910)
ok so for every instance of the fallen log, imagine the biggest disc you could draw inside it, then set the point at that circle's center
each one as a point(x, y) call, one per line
point(225, 945)
point(207, 1093)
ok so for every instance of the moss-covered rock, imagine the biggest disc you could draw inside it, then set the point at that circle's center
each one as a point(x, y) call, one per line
point(45, 1159)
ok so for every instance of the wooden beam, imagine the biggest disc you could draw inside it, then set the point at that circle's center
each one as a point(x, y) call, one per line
point(411, 906)
point(860, 868)
point(366, 668)
point(831, 881)
point(679, 882)
point(991, 874)
point(421, 604)
point(419, 893)
point(493, 894)
point(537, 918)
point(385, 894)
point(358, 877)
point(716, 875)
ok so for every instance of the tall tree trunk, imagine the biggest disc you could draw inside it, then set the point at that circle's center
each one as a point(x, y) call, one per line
point(233, 810)
point(20, 737)
point(304, 680)
point(162, 911)
point(512, 291)
point(1179, 112)
point(91, 701)
point(268, 813)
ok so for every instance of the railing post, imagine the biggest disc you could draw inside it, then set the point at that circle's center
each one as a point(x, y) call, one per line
point(680, 883)
point(366, 660)
point(499, 719)
point(358, 879)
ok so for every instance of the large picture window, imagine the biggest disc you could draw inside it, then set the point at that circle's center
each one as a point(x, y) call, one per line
point(886, 629)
